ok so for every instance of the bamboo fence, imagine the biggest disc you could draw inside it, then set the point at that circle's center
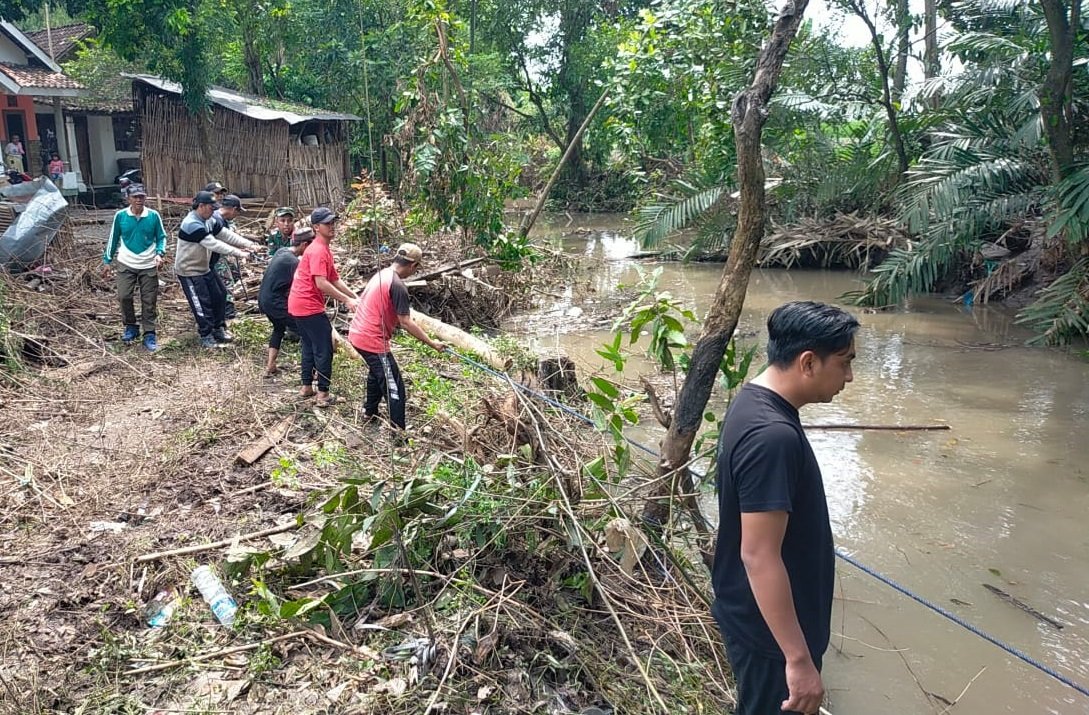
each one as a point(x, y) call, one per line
point(262, 159)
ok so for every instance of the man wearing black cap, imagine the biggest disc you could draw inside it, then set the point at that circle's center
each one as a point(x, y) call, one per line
point(135, 250)
point(275, 286)
point(198, 237)
point(217, 189)
point(229, 208)
point(285, 227)
point(315, 278)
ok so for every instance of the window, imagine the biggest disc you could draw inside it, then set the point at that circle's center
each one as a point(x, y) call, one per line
point(13, 101)
point(126, 132)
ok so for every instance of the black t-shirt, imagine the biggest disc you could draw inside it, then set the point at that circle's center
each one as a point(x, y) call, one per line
point(765, 463)
point(276, 284)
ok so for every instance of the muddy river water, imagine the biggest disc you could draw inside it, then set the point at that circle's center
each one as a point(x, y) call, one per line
point(1002, 499)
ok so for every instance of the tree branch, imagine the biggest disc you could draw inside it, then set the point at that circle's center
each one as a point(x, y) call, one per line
point(546, 124)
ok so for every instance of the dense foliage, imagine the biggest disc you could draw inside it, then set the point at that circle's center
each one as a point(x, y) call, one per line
point(972, 138)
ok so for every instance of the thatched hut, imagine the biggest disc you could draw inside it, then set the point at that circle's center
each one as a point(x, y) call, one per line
point(285, 153)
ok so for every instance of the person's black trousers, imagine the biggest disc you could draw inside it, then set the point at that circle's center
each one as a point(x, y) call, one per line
point(761, 680)
point(384, 380)
point(316, 344)
point(208, 301)
point(280, 325)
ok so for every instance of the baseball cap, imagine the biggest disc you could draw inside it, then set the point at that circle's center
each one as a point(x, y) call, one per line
point(302, 235)
point(285, 211)
point(322, 215)
point(233, 201)
point(135, 190)
point(409, 253)
point(204, 197)
point(215, 187)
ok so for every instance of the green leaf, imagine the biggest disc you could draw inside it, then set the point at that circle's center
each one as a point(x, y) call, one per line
point(601, 401)
point(609, 389)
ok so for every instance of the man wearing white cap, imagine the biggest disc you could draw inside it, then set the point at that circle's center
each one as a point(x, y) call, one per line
point(383, 307)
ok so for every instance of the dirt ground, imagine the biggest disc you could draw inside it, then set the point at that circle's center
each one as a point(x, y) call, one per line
point(110, 454)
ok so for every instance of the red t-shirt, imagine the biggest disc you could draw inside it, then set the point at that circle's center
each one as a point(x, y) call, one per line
point(384, 300)
point(306, 298)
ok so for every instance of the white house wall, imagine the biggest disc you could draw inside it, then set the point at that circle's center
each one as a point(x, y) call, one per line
point(11, 52)
point(103, 154)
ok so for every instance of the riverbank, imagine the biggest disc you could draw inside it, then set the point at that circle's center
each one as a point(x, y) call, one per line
point(477, 568)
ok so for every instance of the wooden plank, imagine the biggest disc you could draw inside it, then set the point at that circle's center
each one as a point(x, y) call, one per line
point(256, 449)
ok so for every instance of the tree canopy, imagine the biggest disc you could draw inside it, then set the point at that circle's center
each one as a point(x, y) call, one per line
point(970, 136)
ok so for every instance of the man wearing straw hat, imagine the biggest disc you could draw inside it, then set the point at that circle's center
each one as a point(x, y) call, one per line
point(382, 309)
point(198, 237)
point(774, 567)
point(135, 251)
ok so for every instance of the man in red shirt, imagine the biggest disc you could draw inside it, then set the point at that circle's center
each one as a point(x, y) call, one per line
point(383, 308)
point(315, 278)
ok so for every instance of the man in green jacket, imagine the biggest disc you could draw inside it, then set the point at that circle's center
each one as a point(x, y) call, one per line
point(135, 252)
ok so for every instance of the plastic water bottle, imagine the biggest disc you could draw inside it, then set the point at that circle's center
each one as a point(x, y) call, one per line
point(215, 595)
point(160, 609)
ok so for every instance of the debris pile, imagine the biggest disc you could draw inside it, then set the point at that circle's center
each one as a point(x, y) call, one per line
point(477, 566)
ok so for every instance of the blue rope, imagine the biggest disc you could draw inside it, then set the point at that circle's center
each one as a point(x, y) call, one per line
point(1024, 657)
point(964, 624)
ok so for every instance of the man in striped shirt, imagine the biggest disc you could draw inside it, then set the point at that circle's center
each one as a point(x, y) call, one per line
point(198, 237)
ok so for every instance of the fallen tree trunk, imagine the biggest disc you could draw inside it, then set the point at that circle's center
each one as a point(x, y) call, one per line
point(461, 339)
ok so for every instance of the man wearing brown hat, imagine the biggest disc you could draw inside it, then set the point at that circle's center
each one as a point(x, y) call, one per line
point(275, 286)
point(384, 307)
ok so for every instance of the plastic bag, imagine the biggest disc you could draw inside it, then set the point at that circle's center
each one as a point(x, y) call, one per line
point(35, 225)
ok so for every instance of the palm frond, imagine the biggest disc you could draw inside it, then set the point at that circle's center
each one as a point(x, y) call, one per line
point(1062, 311)
point(659, 220)
point(1072, 206)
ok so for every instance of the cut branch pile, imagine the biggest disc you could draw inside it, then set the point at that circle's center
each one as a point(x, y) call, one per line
point(478, 567)
point(844, 241)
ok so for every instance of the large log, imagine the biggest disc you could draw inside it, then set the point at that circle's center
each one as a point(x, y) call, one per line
point(461, 339)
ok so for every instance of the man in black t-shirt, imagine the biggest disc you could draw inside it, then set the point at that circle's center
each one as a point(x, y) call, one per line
point(774, 559)
point(272, 297)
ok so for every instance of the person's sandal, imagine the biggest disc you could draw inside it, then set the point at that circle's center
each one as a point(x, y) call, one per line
point(326, 401)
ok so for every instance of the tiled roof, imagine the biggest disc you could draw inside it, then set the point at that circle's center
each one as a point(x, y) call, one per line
point(111, 94)
point(35, 78)
point(65, 39)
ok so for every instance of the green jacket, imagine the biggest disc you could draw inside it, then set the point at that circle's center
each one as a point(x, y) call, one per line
point(135, 241)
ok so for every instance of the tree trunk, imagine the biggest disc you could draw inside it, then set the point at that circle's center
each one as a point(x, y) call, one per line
point(930, 40)
point(574, 19)
point(749, 112)
point(903, 48)
point(1054, 93)
point(251, 55)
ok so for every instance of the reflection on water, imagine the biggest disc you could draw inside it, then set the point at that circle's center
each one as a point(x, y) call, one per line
point(1000, 499)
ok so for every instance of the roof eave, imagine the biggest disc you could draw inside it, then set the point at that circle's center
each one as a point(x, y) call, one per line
point(47, 91)
point(284, 115)
point(28, 45)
